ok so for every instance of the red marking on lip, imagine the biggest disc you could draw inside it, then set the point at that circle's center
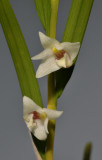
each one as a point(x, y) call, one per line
point(36, 115)
point(60, 54)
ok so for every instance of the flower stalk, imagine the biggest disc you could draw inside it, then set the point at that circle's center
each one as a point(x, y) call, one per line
point(52, 99)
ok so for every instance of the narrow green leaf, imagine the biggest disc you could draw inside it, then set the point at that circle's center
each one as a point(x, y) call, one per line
point(43, 8)
point(47, 11)
point(77, 21)
point(87, 152)
point(19, 52)
point(20, 55)
point(40, 11)
point(74, 32)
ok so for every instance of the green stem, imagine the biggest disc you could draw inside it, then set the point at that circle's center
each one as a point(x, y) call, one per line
point(53, 20)
point(52, 100)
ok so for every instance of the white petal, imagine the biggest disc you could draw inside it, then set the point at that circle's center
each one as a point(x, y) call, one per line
point(65, 61)
point(43, 55)
point(52, 114)
point(29, 106)
point(71, 48)
point(39, 132)
point(47, 41)
point(46, 67)
point(46, 125)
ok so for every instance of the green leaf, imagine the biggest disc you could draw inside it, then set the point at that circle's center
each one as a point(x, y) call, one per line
point(19, 52)
point(40, 11)
point(43, 8)
point(87, 152)
point(77, 20)
point(20, 55)
point(47, 11)
point(74, 32)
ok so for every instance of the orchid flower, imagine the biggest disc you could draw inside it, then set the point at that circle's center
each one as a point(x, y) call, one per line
point(56, 55)
point(37, 118)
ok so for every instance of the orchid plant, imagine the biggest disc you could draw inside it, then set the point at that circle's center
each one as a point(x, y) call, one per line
point(58, 60)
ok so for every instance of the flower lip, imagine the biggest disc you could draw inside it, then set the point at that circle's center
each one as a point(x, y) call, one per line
point(58, 53)
point(36, 115)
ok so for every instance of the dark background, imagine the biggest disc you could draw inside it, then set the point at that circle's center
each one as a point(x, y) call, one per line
point(81, 99)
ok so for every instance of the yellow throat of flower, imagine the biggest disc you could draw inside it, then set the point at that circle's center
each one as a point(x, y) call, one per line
point(55, 50)
point(43, 115)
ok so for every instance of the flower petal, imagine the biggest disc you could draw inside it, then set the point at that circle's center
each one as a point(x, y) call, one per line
point(46, 67)
point(39, 132)
point(46, 41)
point(52, 114)
point(64, 62)
point(71, 48)
point(46, 125)
point(43, 55)
point(29, 106)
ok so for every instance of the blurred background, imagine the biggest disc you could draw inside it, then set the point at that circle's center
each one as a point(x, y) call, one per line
point(81, 99)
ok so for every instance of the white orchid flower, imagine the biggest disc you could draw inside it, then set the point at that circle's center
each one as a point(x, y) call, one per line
point(37, 118)
point(56, 55)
